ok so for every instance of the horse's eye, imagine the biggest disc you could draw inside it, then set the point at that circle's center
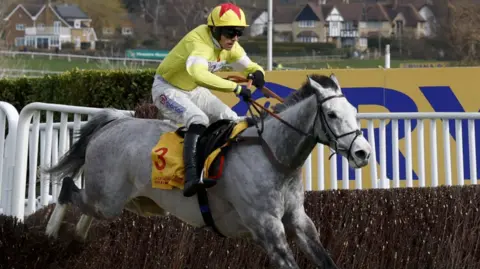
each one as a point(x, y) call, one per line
point(332, 115)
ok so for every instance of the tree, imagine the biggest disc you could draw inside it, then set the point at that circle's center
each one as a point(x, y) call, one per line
point(190, 13)
point(102, 13)
point(464, 34)
point(6, 6)
point(456, 28)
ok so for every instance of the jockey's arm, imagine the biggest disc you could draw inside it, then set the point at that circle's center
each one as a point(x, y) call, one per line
point(242, 63)
point(197, 67)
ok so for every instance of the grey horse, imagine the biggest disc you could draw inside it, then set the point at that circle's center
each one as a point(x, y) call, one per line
point(260, 194)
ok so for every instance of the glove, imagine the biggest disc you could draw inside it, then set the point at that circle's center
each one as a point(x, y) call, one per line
point(244, 92)
point(258, 79)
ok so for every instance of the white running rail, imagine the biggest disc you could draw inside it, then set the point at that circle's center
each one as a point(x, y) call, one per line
point(69, 57)
point(386, 133)
point(50, 153)
point(8, 119)
point(410, 149)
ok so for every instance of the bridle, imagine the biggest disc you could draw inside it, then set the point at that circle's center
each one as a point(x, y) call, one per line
point(331, 137)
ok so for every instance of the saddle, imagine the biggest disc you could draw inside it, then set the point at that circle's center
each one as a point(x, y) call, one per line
point(214, 137)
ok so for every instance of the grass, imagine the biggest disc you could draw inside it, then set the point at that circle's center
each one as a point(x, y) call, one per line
point(374, 63)
point(63, 64)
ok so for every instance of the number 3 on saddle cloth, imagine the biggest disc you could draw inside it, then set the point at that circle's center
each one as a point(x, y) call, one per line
point(167, 156)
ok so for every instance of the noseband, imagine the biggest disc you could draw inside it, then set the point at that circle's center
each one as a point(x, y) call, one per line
point(331, 137)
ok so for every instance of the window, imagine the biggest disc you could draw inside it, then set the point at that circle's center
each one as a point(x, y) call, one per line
point(77, 24)
point(30, 41)
point(305, 24)
point(54, 41)
point(363, 42)
point(399, 27)
point(56, 27)
point(374, 24)
point(107, 31)
point(334, 29)
point(126, 31)
point(20, 27)
point(348, 25)
point(19, 41)
point(41, 26)
point(308, 39)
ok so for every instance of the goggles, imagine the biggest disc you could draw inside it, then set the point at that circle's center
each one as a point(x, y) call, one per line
point(231, 32)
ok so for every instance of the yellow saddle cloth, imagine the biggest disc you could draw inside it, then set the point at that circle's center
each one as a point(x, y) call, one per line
point(167, 159)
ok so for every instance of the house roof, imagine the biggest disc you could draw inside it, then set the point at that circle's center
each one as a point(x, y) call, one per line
point(409, 12)
point(375, 12)
point(70, 11)
point(285, 14)
point(302, 12)
point(350, 12)
point(357, 11)
point(67, 12)
point(33, 9)
point(317, 9)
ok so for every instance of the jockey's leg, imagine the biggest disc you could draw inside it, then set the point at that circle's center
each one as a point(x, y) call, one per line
point(176, 105)
point(213, 107)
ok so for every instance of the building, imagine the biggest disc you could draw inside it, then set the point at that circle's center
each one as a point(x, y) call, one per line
point(346, 23)
point(49, 26)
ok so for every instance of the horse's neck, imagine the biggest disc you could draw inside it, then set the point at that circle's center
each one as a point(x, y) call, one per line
point(290, 147)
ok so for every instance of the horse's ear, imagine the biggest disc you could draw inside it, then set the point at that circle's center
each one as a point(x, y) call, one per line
point(334, 78)
point(314, 84)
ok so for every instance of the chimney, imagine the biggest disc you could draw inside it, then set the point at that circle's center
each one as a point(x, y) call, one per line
point(395, 4)
point(346, 1)
point(322, 2)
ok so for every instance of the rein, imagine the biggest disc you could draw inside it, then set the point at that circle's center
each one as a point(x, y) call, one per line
point(269, 93)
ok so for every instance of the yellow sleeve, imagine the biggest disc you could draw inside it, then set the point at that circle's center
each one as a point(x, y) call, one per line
point(240, 61)
point(197, 67)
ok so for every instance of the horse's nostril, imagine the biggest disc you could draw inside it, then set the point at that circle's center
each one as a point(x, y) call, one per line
point(361, 154)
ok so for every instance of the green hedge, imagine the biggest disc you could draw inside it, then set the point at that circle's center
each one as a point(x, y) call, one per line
point(122, 89)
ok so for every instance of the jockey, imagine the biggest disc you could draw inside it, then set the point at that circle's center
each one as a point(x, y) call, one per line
point(182, 81)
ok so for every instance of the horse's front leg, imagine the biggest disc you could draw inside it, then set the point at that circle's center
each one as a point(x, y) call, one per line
point(268, 231)
point(301, 227)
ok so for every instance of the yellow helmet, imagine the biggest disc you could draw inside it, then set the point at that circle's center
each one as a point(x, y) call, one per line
point(227, 14)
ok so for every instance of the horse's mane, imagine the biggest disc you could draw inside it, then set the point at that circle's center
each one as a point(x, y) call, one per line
point(303, 93)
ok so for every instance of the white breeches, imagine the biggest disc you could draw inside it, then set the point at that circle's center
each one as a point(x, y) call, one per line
point(198, 106)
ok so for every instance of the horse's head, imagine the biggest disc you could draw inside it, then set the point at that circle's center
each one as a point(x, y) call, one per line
point(336, 122)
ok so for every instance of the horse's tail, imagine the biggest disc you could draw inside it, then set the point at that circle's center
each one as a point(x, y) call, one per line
point(73, 160)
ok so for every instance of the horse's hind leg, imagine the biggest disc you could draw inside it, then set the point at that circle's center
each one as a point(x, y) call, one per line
point(63, 202)
point(71, 194)
point(55, 221)
point(302, 228)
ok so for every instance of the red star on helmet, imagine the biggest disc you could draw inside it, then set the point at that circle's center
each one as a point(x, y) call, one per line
point(229, 6)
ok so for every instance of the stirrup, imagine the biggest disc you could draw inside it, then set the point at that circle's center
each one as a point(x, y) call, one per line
point(191, 187)
point(206, 182)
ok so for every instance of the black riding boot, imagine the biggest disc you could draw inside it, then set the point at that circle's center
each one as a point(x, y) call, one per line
point(192, 178)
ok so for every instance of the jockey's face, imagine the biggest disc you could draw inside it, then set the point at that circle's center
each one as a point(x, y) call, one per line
point(229, 35)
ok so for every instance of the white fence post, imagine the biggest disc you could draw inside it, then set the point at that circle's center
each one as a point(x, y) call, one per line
point(23, 134)
point(387, 56)
point(9, 115)
point(379, 178)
